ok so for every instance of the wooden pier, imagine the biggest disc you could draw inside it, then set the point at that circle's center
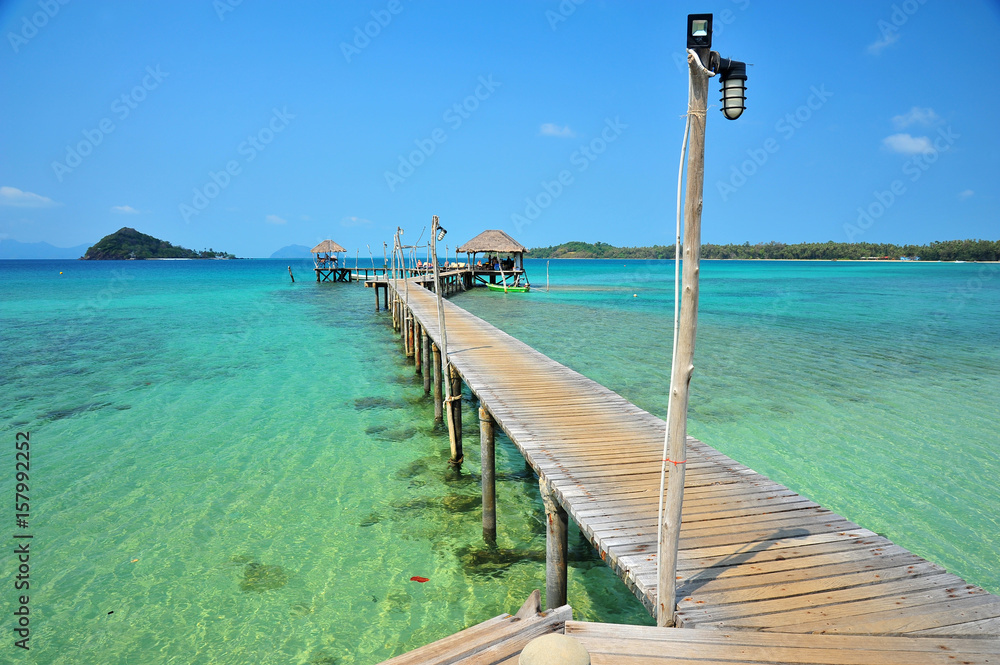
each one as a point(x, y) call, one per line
point(754, 556)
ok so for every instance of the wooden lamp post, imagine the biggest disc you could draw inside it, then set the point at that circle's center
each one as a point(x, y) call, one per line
point(733, 77)
point(438, 232)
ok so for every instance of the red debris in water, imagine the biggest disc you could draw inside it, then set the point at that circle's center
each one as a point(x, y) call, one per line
point(417, 578)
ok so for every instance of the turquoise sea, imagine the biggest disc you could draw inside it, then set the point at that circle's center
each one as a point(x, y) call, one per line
point(230, 468)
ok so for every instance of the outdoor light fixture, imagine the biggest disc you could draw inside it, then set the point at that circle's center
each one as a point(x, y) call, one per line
point(441, 233)
point(699, 31)
point(733, 75)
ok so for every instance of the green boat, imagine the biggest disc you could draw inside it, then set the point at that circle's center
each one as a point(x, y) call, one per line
point(508, 289)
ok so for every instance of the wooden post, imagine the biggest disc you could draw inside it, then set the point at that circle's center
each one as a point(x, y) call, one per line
point(455, 409)
point(437, 381)
point(487, 455)
point(683, 365)
point(426, 340)
point(415, 347)
point(546, 276)
point(556, 547)
point(410, 323)
point(456, 445)
point(404, 322)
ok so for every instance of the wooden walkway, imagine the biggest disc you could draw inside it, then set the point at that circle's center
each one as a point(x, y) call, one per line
point(500, 640)
point(753, 554)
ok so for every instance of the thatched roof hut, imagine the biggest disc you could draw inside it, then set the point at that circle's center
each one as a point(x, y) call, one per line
point(327, 247)
point(492, 242)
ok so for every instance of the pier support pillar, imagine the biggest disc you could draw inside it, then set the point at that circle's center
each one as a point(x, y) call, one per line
point(437, 381)
point(456, 414)
point(556, 547)
point(404, 323)
point(415, 347)
point(426, 341)
point(487, 455)
point(410, 323)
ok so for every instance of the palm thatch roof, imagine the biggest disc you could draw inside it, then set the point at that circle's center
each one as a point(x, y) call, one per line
point(327, 247)
point(492, 241)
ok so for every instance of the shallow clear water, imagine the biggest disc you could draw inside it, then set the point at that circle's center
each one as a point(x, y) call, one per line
point(246, 470)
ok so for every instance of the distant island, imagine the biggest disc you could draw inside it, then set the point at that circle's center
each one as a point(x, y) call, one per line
point(293, 252)
point(948, 250)
point(126, 243)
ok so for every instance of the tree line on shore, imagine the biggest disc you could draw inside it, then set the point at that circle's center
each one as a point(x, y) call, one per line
point(947, 250)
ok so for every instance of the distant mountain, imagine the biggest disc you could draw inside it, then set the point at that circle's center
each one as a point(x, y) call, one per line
point(293, 252)
point(127, 243)
point(12, 249)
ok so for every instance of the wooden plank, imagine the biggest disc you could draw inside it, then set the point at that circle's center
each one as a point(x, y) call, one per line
point(671, 636)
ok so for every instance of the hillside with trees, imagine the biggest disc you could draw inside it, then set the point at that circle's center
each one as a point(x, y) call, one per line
point(948, 250)
point(127, 243)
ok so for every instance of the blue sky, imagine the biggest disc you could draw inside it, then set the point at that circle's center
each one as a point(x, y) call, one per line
point(247, 126)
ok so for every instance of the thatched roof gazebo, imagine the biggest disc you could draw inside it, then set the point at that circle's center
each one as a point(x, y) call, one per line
point(492, 241)
point(493, 244)
point(327, 247)
point(326, 262)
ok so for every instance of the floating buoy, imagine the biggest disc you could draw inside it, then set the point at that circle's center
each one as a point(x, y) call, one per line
point(60, 272)
point(635, 295)
point(417, 578)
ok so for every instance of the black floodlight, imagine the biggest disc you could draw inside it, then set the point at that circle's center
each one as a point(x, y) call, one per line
point(700, 31)
point(733, 75)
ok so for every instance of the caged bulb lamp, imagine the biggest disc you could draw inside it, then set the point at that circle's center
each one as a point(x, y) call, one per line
point(733, 75)
point(441, 233)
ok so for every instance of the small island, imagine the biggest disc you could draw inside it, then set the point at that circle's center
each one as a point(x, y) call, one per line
point(127, 243)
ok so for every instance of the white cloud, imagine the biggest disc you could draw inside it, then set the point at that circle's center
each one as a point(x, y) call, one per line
point(552, 129)
point(888, 39)
point(125, 210)
point(916, 116)
point(274, 219)
point(965, 194)
point(905, 144)
point(12, 196)
point(350, 222)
